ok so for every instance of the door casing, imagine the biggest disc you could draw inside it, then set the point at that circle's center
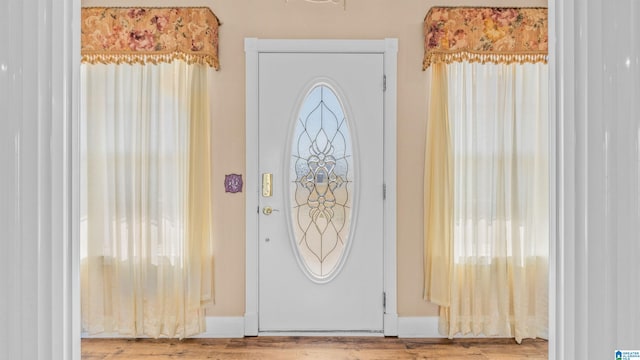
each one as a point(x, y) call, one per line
point(389, 49)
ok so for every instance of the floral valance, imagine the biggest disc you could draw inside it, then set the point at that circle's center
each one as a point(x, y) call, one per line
point(499, 35)
point(149, 35)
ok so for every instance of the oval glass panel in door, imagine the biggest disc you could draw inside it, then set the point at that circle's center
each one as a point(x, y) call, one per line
point(322, 181)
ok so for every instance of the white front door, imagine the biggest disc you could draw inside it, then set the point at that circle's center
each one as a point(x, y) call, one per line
point(321, 201)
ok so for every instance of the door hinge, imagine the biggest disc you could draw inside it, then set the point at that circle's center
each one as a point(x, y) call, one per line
point(384, 82)
point(384, 301)
point(384, 191)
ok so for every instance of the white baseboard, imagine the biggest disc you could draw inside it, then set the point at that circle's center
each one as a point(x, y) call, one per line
point(418, 327)
point(427, 327)
point(234, 327)
point(217, 327)
point(223, 327)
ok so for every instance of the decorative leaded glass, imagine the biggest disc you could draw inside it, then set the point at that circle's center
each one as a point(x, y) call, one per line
point(322, 181)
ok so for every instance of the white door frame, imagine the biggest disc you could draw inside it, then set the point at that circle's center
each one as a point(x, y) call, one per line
point(389, 49)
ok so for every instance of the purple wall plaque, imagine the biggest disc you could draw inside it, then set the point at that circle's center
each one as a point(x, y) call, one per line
point(233, 183)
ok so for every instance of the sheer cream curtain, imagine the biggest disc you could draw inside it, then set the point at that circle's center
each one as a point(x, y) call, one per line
point(497, 115)
point(146, 262)
point(438, 185)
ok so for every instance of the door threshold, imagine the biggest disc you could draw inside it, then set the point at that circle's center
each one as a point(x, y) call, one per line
point(343, 333)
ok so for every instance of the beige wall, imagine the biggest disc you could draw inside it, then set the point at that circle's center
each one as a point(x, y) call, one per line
point(363, 19)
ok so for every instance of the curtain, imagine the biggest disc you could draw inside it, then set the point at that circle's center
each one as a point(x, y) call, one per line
point(497, 114)
point(146, 249)
point(438, 200)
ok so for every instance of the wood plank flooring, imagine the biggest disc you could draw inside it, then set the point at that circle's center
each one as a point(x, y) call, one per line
point(316, 348)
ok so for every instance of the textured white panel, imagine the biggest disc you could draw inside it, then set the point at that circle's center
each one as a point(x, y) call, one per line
point(37, 75)
point(10, 187)
point(598, 129)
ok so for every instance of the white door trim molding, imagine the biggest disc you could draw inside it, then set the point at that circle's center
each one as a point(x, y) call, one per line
point(389, 49)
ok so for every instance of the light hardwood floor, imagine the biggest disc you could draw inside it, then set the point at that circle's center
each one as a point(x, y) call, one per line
point(294, 348)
